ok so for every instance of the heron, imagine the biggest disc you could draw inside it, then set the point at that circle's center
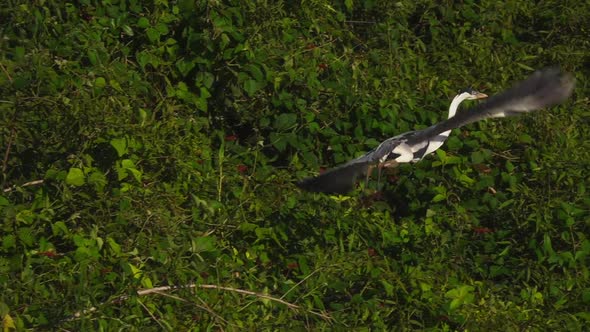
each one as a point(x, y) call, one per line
point(436, 142)
point(543, 88)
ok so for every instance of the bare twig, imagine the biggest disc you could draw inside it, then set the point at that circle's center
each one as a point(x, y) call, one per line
point(236, 290)
point(162, 289)
point(204, 307)
point(151, 315)
point(299, 283)
point(31, 183)
point(247, 292)
point(6, 72)
point(360, 22)
point(506, 155)
point(8, 147)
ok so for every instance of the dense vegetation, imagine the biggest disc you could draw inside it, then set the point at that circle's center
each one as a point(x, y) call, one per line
point(156, 144)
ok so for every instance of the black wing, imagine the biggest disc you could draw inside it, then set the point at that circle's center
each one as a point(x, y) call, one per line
point(339, 180)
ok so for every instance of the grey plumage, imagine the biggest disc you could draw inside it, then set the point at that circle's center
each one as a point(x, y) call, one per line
point(542, 89)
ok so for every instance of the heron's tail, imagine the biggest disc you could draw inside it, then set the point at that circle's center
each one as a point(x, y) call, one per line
point(339, 180)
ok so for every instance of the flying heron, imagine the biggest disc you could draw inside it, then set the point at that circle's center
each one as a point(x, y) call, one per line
point(542, 89)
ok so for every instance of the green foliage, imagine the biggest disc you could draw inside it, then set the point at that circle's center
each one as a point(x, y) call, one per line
point(155, 144)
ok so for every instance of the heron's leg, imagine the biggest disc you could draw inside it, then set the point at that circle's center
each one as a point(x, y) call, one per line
point(369, 170)
point(379, 169)
point(390, 163)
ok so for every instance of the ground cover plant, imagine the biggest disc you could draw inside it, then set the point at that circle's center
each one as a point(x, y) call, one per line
point(149, 152)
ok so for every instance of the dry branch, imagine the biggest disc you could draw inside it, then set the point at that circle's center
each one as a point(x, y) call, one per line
point(160, 290)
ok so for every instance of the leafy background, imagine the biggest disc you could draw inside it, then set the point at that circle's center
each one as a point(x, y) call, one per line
point(152, 144)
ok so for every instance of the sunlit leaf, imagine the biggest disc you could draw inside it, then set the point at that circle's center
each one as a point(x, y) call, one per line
point(75, 177)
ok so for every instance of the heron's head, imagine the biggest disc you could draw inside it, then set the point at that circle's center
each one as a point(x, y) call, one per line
point(471, 94)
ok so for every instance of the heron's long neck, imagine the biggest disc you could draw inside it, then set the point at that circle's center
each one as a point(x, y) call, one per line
point(455, 104)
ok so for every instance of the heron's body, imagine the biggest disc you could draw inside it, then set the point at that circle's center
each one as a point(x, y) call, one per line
point(542, 89)
point(404, 153)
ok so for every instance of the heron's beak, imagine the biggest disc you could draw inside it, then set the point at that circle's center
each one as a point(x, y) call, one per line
point(480, 95)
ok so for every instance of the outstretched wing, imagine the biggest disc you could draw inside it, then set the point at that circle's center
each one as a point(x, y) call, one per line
point(542, 89)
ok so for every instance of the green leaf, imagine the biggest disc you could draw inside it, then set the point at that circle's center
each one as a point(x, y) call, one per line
point(136, 272)
point(146, 282)
point(203, 243)
point(251, 86)
point(143, 22)
point(100, 82)
point(19, 53)
point(60, 228)
point(255, 72)
point(162, 28)
point(477, 157)
point(186, 7)
point(509, 166)
point(25, 234)
point(8, 323)
point(127, 30)
point(75, 177)
point(466, 180)
point(349, 5)
point(115, 247)
point(93, 56)
point(278, 141)
point(144, 58)
point(115, 85)
point(20, 82)
point(8, 241)
point(204, 78)
point(547, 245)
point(388, 287)
point(97, 179)
point(460, 295)
point(285, 121)
point(184, 66)
point(524, 138)
point(456, 303)
point(120, 144)
point(153, 34)
point(439, 197)
point(129, 166)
